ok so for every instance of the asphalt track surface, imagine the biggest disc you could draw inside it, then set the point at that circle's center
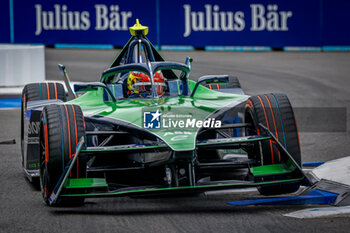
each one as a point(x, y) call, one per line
point(310, 80)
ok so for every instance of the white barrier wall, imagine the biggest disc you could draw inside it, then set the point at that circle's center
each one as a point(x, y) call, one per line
point(21, 64)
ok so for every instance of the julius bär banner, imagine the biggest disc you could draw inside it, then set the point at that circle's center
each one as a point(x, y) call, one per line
point(183, 22)
point(5, 22)
point(89, 22)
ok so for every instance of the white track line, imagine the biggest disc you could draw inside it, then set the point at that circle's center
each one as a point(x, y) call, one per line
point(337, 170)
point(320, 212)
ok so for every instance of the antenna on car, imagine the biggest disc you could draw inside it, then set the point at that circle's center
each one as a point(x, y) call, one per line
point(138, 29)
point(188, 62)
point(71, 94)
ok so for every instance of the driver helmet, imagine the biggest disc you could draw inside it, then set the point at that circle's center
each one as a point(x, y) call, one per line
point(140, 83)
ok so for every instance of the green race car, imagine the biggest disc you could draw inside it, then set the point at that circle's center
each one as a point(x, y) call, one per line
point(147, 128)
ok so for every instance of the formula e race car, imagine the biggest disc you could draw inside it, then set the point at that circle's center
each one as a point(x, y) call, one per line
point(148, 129)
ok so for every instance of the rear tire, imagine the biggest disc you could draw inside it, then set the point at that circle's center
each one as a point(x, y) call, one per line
point(38, 91)
point(43, 91)
point(61, 128)
point(275, 112)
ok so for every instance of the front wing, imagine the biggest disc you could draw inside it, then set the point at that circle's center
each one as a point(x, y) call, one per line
point(288, 172)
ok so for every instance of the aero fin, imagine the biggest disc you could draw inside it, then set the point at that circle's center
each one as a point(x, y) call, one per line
point(138, 29)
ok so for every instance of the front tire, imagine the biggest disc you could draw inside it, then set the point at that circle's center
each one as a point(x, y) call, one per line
point(275, 112)
point(61, 128)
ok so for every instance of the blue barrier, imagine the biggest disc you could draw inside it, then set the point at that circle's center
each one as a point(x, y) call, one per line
point(211, 24)
point(313, 164)
point(10, 103)
point(238, 48)
point(83, 46)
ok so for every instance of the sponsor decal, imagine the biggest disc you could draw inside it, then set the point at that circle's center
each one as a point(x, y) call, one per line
point(191, 123)
point(178, 135)
point(32, 140)
point(34, 127)
point(152, 120)
point(33, 165)
point(179, 138)
point(155, 120)
point(211, 18)
point(59, 17)
point(263, 18)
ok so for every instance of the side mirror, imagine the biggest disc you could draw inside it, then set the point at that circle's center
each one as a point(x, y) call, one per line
point(93, 86)
point(71, 94)
point(189, 61)
point(210, 79)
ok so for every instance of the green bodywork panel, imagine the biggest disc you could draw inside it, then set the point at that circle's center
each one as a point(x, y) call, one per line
point(85, 183)
point(130, 111)
point(272, 169)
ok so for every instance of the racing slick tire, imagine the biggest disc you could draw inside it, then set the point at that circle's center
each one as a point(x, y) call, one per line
point(38, 91)
point(61, 127)
point(275, 112)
